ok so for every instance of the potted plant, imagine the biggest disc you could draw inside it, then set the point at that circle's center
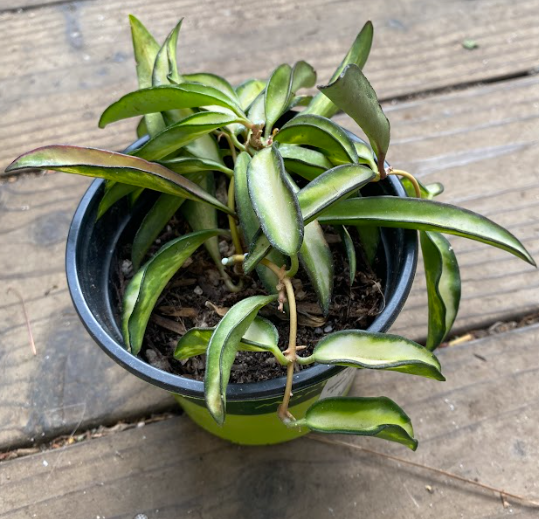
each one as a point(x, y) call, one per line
point(274, 207)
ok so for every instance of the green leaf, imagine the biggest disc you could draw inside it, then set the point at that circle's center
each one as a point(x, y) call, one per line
point(260, 336)
point(378, 416)
point(358, 54)
point(274, 201)
point(277, 95)
point(258, 250)
point(307, 163)
point(148, 283)
point(350, 251)
point(331, 186)
point(443, 285)
point(370, 242)
point(257, 113)
point(184, 165)
point(153, 223)
point(424, 215)
point(92, 162)
point(428, 192)
point(217, 82)
point(299, 101)
point(316, 258)
point(178, 135)
point(114, 191)
point(361, 349)
point(321, 133)
point(249, 223)
point(303, 76)
point(248, 91)
point(166, 97)
point(365, 155)
point(222, 350)
point(353, 93)
point(142, 128)
point(165, 69)
point(434, 189)
point(145, 49)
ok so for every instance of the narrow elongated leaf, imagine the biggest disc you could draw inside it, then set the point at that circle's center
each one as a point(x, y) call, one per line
point(260, 336)
point(350, 251)
point(363, 349)
point(165, 69)
point(321, 133)
point(145, 49)
point(353, 94)
point(222, 350)
point(217, 82)
point(274, 201)
point(307, 163)
point(249, 223)
point(369, 237)
point(358, 54)
point(92, 162)
point(377, 416)
point(184, 165)
point(330, 187)
point(200, 217)
point(316, 258)
point(153, 223)
point(277, 95)
point(166, 97)
point(178, 135)
point(258, 250)
point(149, 282)
point(443, 285)
point(248, 91)
point(424, 215)
point(113, 192)
point(434, 189)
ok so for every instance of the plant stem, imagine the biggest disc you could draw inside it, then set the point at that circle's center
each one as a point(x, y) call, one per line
point(290, 353)
point(441, 472)
point(410, 177)
point(294, 266)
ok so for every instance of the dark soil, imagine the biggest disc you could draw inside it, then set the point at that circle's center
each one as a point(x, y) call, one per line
point(196, 297)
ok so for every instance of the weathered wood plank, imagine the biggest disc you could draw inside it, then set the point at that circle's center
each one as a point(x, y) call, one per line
point(481, 424)
point(482, 144)
point(13, 5)
point(72, 59)
point(70, 383)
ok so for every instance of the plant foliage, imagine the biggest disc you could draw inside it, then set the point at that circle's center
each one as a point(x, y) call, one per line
point(286, 179)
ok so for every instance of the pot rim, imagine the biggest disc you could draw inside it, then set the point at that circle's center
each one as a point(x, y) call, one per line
point(194, 388)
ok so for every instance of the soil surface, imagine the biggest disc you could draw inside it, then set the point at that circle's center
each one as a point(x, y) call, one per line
point(197, 297)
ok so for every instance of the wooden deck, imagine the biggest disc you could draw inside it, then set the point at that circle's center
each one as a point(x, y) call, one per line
point(468, 118)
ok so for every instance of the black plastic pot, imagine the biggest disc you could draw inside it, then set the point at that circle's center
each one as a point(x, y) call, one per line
point(92, 256)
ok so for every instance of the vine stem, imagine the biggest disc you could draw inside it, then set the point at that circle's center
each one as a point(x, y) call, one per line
point(410, 177)
point(440, 472)
point(291, 352)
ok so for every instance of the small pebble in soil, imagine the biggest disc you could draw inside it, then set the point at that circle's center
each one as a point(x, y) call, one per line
point(127, 268)
point(198, 291)
point(318, 331)
point(328, 329)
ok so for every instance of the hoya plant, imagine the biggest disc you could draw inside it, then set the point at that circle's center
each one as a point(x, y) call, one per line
point(290, 176)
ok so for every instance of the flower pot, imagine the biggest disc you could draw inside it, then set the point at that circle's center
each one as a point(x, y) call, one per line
point(93, 252)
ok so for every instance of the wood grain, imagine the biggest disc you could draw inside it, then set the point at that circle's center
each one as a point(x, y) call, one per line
point(62, 64)
point(70, 383)
point(483, 145)
point(481, 424)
